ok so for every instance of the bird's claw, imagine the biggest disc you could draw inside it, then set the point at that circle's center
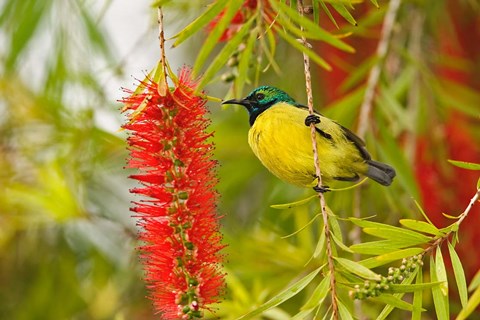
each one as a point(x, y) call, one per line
point(321, 189)
point(312, 118)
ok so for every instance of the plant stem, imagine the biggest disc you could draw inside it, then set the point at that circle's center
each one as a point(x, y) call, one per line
point(329, 252)
point(162, 88)
point(464, 214)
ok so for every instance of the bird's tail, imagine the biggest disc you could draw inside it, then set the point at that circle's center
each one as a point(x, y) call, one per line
point(380, 172)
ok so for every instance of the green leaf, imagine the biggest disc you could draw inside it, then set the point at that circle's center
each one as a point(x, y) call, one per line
point(465, 165)
point(216, 33)
point(282, 296)
point(394, 155)
point(222, 58)
point(388, 257)
point(421, 226)
point(358, 269)
point(212, 11)
point(318, 295)
point(320, 244)
point(343, 311)
point(294, 204)
point(297, 45)
point(377, 247)
point(396, 288)
point(375, 3)
point(440, 300)
point(459, 275)
point(334, 225)
point(417, 298)
point(340, 8)
point(472, 304)
point(475, 282)
point(394, 301)
point(310, 27)
point(329, 14)
point(302, 314)
point(244, 62)
point(398, 234)
point(341, 244)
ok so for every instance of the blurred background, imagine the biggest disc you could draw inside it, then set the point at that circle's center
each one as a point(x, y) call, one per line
point(67, 241)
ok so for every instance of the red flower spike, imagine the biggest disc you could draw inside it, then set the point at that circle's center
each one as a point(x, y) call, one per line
point(180, 229)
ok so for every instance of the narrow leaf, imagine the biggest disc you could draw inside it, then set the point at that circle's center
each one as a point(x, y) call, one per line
point(465, 165)
point(342, 10)
point(388, 257)
point(345, 314)
point(320, 244)
point(438, 297)
point(398, 234)
point(329, 14)
point(318, 295)
point(358, 269)
point(377, 247)
point(396, 288)
point(297, 45)
point(244, 62)
point(340, 244)
point(222, 58)
point(216, 33)
point(282, 296)
point(311, 27)
point(472, 304)
point(394, 301)
point(212, 11)
point(459, 275)
point(421, 226)
point(475, 282)
point(293, 204)
point(417, 298)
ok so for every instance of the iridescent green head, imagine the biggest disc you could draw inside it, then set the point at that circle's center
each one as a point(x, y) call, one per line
point(261, 99)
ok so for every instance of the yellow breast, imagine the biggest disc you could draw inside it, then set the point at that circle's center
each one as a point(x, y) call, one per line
point(282, 142)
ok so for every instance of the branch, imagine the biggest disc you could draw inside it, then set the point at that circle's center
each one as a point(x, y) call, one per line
point(162, 85)
point(374, 75)
point(308, 85)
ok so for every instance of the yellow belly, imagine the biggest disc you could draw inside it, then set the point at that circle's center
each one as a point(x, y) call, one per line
point(282, 142)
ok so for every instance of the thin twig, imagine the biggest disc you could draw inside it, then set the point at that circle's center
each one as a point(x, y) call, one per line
point(162, 88)
point(374, 75)
point(308, 85)
point(464, 214)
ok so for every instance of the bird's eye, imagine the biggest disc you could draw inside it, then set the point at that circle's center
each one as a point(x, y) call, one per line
point(259, 96)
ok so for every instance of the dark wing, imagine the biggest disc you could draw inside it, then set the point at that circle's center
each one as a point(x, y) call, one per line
point(357, 141)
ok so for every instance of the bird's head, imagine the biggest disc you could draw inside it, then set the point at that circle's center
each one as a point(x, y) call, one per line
point(261, 99)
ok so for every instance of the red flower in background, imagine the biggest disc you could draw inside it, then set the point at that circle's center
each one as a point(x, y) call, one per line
point(169, 147)
point(246, 11)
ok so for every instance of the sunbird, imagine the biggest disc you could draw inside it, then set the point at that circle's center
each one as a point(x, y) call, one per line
point(280, 137)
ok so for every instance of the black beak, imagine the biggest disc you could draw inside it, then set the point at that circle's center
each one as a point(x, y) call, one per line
point(246, 103)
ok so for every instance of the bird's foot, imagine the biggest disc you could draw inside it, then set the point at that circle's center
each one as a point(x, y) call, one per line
point(321, 189)
point(312, 118)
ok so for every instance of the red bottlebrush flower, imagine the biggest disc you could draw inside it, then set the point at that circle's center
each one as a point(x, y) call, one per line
point(180, 229)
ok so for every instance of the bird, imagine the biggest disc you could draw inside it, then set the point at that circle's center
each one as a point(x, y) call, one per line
point(280, 137)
